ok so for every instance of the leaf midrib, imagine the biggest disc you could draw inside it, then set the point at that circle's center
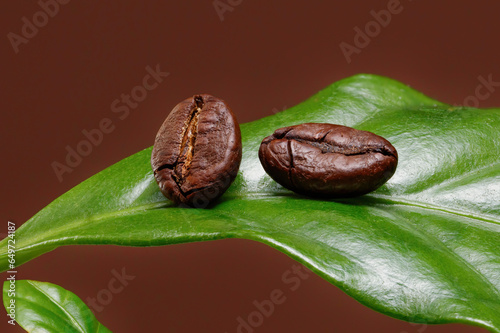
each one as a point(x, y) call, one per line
point(448, 210)
point(73, 320)
point(75, 224)
point(251, 195)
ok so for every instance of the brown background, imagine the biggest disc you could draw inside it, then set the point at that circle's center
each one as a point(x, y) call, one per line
point(264, 56)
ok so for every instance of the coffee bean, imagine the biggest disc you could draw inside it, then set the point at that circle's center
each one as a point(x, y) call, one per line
point(197, 151)
point(328, 160)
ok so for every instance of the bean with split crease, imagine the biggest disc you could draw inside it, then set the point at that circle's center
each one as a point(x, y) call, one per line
point(197, 151)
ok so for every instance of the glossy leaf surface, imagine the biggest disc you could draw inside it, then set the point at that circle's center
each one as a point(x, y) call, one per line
point(424, 247)
point(46, 307)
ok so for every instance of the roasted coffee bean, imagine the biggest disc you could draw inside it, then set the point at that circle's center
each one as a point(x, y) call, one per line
point(197, 151)
point(328, 160)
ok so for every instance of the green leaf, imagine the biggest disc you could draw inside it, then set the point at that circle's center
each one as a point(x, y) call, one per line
point(425, 247)
point(46, 307)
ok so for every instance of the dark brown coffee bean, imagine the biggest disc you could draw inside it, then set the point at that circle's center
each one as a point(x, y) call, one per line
point(197, 151)
point(328, 160)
